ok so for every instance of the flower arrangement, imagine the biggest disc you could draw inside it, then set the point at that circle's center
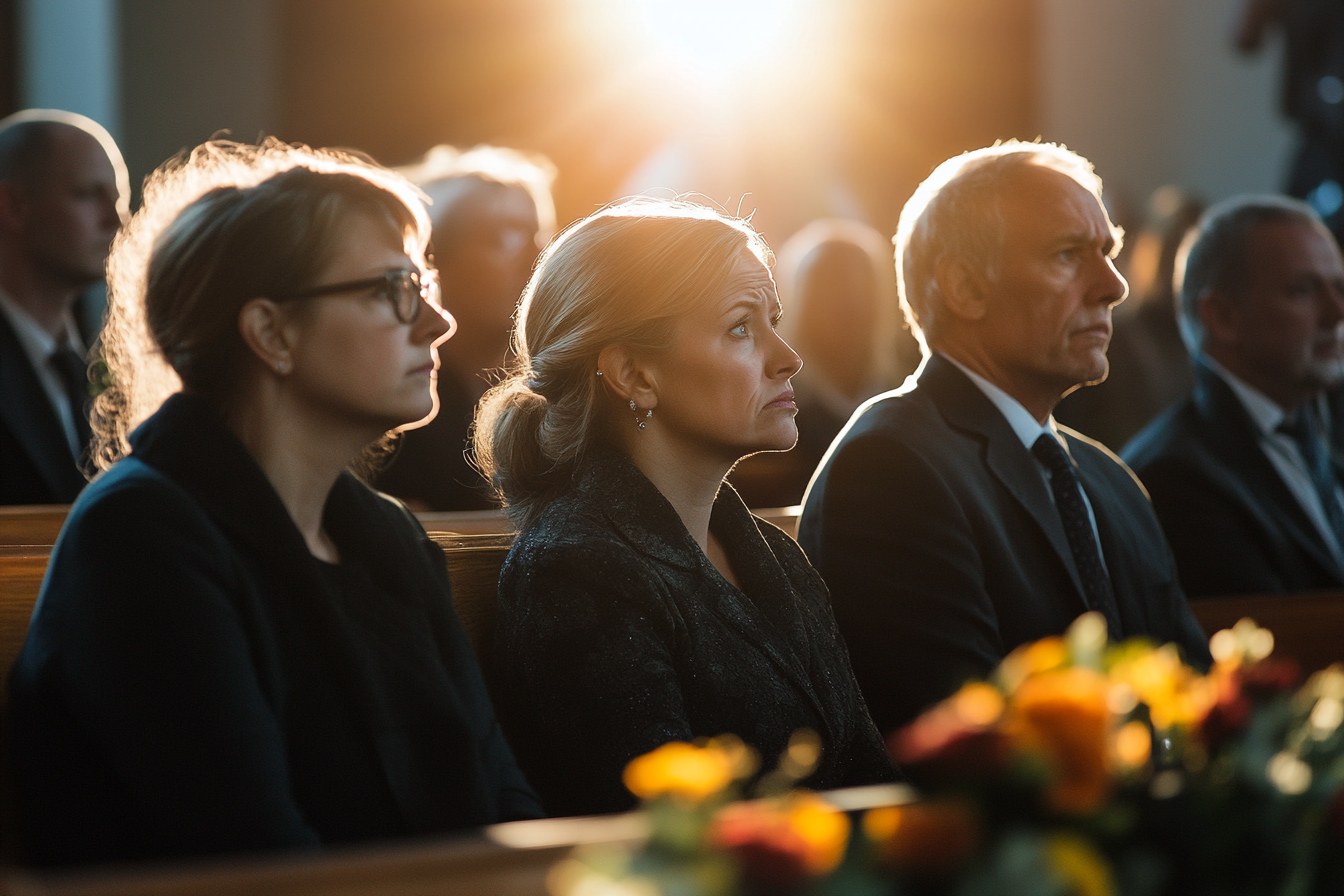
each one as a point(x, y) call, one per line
point(1079, 768)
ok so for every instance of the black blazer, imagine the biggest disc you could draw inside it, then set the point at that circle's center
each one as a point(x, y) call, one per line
point(193, 684)
point(616, 635)
point(943, 550)
point(36, 466)
point(1232, 523)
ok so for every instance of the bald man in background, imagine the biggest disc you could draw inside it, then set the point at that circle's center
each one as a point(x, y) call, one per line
point(63, 195)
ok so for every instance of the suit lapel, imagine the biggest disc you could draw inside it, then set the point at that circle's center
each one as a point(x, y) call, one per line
point(965, 407)
point(25, 411)
point(1234, 438)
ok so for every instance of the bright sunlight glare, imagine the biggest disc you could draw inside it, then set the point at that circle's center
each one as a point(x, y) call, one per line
point(715, 39)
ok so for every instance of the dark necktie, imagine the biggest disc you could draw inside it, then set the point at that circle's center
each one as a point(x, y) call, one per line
point(1305, 430)
point(1069, 501)
point(74, 373)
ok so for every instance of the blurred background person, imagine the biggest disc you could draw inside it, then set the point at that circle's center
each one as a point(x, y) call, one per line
point(492, 212)
point(238, 645)
point(63, 193)
point(1242, 474)
point(642, 603)
point(843, 319)
point(1149, 365)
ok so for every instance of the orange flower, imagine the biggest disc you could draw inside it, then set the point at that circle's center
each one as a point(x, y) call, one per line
point(680, 770)
point(781, 844)
point(954, 739)
point(928, 838)
point(1064, 715)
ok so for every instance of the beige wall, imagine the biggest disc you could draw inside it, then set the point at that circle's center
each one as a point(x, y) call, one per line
point(1153, 93)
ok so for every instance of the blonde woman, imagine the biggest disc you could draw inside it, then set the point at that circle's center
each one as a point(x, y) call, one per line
point(642, 603)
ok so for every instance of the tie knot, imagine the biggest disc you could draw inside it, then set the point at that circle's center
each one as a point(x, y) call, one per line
point(1048, 451)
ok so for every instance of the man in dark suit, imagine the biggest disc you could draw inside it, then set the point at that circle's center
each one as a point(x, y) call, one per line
point(1243, 474)
point(63, 190)
point(952, 520)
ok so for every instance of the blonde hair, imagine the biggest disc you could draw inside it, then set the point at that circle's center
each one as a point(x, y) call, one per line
point(217, 227)
point(621, 276)
point(955, 213)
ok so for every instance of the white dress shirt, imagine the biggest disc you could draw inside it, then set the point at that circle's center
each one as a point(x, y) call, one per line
point(1282, 451)
point(39, 345)
point(1028, 430)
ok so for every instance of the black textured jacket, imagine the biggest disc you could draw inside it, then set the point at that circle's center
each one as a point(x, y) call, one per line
point(194, 683)
point(616, 635)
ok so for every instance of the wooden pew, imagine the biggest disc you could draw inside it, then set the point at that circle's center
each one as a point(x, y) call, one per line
point(1307, 626)
point(31, 523)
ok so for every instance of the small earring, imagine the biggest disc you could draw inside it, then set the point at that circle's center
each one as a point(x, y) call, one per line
point(647, 414)
point(599, 373)
point(282, 368)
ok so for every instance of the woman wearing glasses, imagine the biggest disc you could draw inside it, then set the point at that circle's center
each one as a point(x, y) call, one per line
point(238, 645)
point(642, 603)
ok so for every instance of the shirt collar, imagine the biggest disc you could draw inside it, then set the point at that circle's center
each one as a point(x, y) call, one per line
point(1264, 412)
point(1024, 425)
point(36, 341)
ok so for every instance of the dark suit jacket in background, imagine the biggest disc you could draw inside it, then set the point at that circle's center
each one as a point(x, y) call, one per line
point(1232, 523)
point(430, 466)
point(36, 466)
point(191, 684)
point(943, 550)
point(617, 635)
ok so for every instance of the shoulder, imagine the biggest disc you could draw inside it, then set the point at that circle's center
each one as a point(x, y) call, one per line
point(1174, 433)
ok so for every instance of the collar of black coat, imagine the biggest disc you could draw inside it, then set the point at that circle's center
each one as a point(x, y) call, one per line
point(188, 441)
point(607, 479)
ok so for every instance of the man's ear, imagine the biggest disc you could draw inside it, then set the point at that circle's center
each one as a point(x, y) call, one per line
point(626, 377)
point(265, 329)
point(963, 289)
point(1221, 316)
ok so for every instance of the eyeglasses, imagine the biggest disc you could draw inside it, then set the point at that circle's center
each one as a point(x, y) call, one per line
point(406, 290)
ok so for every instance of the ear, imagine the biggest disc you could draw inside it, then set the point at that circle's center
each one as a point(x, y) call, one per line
point(1221, 316)
point(626, 377)
point(265, 328)
point(963, 289)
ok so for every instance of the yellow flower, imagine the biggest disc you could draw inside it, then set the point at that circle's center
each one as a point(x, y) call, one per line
point(1176, 696)
point(1083, 868)
point(823, 828)
point(1064, 714)
point(1031, 659)
point(680, 770)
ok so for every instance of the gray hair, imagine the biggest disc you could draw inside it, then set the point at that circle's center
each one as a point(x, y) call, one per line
point(1213, 258)
point(956, 213)
point(450, 176)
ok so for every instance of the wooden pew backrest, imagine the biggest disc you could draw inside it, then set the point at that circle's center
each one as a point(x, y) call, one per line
point(473, 569)
point(31, 523)
point(1307, 627)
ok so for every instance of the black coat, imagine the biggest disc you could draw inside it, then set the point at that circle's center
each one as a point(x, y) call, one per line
point(616, 635)
point(36, 466)
point(193, 684)
point(943, 550)
point(1233, 524)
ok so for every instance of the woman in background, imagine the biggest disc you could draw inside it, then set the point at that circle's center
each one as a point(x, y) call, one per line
point(642, 603)
point(239, 646)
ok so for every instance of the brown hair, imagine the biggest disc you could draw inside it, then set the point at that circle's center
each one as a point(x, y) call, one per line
point(218, 227)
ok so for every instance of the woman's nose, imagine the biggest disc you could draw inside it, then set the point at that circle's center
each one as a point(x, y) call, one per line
point(435, 323)
point(787, 363)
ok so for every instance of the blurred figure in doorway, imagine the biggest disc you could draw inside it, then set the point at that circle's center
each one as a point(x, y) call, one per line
point(492, 212)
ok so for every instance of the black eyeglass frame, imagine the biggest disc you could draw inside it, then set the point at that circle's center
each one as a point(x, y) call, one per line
point(426, 290)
